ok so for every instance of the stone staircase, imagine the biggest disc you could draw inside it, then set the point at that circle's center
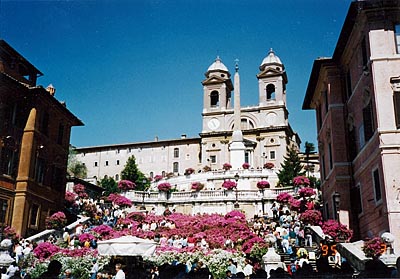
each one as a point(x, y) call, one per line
point(287, 260)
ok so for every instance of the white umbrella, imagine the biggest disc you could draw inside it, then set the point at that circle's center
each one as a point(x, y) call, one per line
point(126, 246)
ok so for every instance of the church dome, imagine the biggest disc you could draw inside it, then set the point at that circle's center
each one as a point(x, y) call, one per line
point(217, 66)
point(271, 59)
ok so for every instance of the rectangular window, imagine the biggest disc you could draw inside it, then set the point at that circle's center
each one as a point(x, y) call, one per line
point(323, 170)
point(58, 180)
point(377, 185)
point(396, 102)
point(348, 84)
point(330, 156)
point(44, 123)
point(364, 53)
point(272, 155)
point(355, 195)
point(247, 157)
point(213, 159)
point(60, 136)
point(95, 164)
point(319, 117)
point(368, 122)
point(175, 167)
point(3, 214)
point(397, 37)
point(326, 103)
point(176, 152)
point(34, 215)
point(335, 209)
point(40, 169)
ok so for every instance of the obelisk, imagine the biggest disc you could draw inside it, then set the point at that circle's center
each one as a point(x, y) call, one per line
point(236, 147)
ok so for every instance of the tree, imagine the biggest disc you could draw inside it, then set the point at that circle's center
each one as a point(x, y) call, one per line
point(132, 173)
point(291, 167)
point(110, 186)
point(75, 168)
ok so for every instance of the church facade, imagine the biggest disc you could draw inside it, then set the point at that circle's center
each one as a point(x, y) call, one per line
point(265, 127)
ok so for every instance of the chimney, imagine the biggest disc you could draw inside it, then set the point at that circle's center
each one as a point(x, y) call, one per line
point(183, 136)
point(50, 88)
point(156, 138)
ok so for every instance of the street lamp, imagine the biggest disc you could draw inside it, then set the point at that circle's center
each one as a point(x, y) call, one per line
point(236, 205)
point(143, 207)
point(336, 199)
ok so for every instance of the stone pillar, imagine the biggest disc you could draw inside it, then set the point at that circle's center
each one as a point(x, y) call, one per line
point(25, 169)
point(271, 260)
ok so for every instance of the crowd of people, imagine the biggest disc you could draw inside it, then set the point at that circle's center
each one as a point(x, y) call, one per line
point(282, 229)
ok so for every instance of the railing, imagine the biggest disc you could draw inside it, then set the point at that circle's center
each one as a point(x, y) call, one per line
point(206, 195)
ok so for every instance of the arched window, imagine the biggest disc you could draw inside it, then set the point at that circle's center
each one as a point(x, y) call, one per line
point(214, 98)
point(151, 174)
point(176, 152)
point(116, 177)
point(270, 91)
point(163, 173)
point(176, 167)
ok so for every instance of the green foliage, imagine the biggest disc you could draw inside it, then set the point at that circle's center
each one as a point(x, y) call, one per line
point(291, 167)
point(75, 168)
point(109, 185)
point(257, 252)
point(132, 173)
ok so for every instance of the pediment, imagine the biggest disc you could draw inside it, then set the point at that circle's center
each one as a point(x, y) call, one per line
point(269, 71)
point(213, 80)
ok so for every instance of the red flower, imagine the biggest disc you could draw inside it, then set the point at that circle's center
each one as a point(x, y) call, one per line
point(126, 185)
point(311, 217)
point(197, 186)
point(56, 221)
point(269, 165)
point(372, 248)
point(262, 184)
point(189, 171)
point(246, 166)
point(157, 178)
point(229, 184)
point(284, 197)
point(226, 166)
point(164, 187)
point(337, 231)
point(301, 180)
point(306, 192)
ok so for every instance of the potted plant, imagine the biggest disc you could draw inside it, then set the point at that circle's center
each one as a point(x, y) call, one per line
point(226, 166)
point(373, 248)
point(206, 168)
point(164, 187)
point(189, 171)
point(158, 178)
point(56, 221)
point(269, 165)
point(229, 184)
point(126, 185)
point(246, 166)
point(311, 217)
point(337, 231)
point(301, 181)
point(197, 186)
point(284, 197)
point(263, 184)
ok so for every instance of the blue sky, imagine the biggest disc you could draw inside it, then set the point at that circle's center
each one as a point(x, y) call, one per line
point(132, 70)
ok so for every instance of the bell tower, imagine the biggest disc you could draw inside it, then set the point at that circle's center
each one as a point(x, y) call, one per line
point(272, 81)
point(217, 88)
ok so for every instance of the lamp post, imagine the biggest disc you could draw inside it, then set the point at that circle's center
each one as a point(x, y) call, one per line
point(143, 207)
point(236, 205)
point(336, 199)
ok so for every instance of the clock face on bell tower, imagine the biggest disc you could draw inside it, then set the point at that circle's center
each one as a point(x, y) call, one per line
point(213, 124)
